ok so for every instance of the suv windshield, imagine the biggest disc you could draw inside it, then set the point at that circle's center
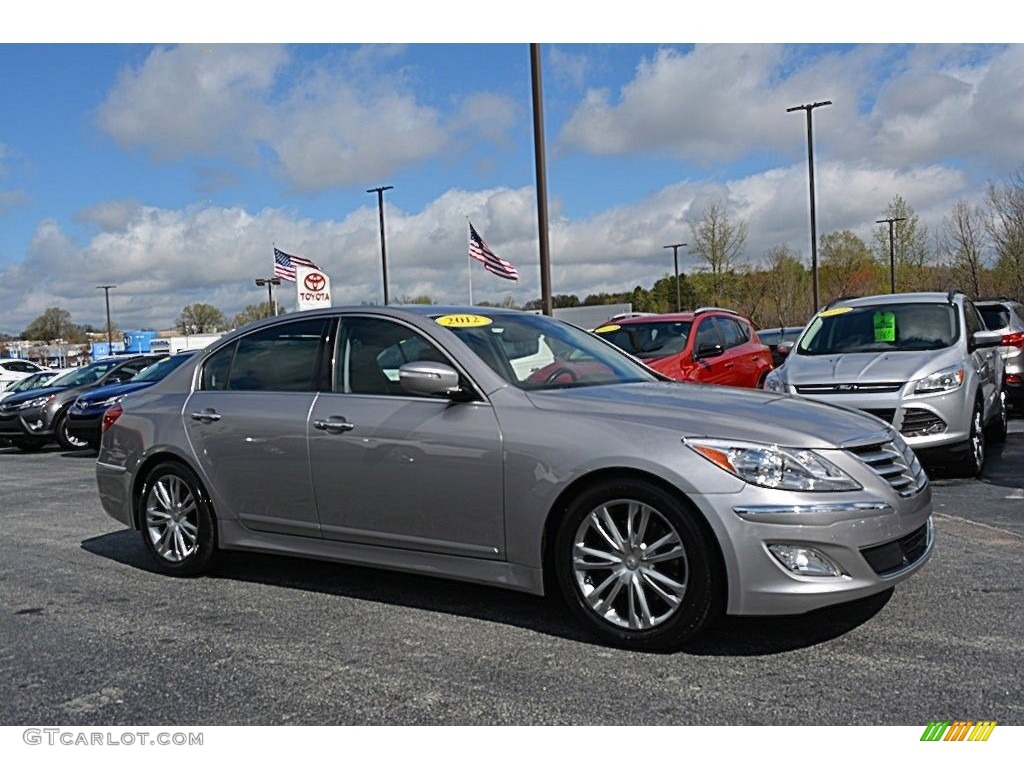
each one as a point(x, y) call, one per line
point(881, 328)
point(87, 375)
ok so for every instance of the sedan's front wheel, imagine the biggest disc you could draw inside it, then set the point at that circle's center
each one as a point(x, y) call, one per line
point(636, 566)
point(177, 521)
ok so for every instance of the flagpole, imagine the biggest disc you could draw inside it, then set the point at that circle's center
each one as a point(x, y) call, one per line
point(469, 264)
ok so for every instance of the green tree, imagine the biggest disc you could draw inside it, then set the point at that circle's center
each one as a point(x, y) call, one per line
point(909, 246)
point(718, 242)
point(54, 323)
point(254, 312)
point(200, 318)
point(846, 267)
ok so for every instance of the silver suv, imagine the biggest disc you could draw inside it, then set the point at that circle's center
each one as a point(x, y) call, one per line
point(923, 362)
point(1007, 317)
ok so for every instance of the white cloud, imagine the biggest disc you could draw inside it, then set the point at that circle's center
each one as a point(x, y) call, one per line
point(192, 98)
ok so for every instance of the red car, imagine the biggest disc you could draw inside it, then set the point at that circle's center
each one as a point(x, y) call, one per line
point(709, 345)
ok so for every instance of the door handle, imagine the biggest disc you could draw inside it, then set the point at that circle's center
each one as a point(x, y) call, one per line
point(206, 416)
point(334, 425)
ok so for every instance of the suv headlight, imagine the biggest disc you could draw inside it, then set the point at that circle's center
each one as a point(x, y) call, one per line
point(945, 380)
point(773, 382)
point(37, 402)
point(772, 466)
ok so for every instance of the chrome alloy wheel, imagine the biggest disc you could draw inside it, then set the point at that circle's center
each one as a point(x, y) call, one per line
point(172, 519)
point(630, 564)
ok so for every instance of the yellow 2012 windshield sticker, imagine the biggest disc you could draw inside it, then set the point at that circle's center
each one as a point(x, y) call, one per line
point(463, 321)
point(836, 311)
point(607, 328)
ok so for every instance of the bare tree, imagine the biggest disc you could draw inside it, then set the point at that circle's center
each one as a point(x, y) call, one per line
point(718, 242)
point(785, 286)
point(961, 243)
point(1006, 228)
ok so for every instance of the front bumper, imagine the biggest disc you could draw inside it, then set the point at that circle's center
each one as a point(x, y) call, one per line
point(85, 426)
point(31, 422)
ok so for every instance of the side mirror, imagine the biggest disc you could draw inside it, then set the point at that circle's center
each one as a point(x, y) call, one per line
point(430, 380)
point(985, 340)
point(784, 348)
point(707, 349)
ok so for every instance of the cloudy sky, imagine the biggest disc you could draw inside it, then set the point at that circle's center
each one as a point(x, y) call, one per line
point(171, 170)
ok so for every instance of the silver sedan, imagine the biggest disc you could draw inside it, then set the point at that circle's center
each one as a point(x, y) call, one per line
point(511, 449)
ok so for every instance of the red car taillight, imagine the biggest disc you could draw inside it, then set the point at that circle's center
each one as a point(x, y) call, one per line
point(1013, 340)
point(111, 415)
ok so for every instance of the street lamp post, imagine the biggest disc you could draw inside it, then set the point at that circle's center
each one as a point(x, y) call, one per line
point(110, 335)
point(270, 282)
point(808, 108)
point(383, 249)
point(675, 258)
point(892, 252)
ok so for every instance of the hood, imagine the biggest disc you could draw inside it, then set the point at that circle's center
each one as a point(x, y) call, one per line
point(100, 394)
point(698, 410)
point(31, 394)
point(867, 367)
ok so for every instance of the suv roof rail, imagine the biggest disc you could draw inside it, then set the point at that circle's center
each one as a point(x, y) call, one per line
point(837, 299)
point(698, 310)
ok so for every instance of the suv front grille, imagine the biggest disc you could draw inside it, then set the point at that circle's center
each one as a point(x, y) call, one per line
point(886, 559)
point(899, 468)
point(858, 388)
point(885, 414)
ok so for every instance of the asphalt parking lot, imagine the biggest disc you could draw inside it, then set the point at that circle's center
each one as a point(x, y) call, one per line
point(90, 636)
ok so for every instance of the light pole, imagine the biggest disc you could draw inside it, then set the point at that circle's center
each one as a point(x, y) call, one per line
point(808, 108)
point(270, 282)
point(540, 164)
point(892, 252)
point(675, 258)
point(383, 249)
point(110, 335)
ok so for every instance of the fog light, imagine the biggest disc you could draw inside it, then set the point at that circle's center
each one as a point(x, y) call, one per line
point(35, 426)
point(804, 560)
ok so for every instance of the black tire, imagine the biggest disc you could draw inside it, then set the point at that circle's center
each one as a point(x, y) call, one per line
point(997, 427)
point(973, 451)
point(28, 444)
point(176, 520)
point(65, 439)
point(614, 588)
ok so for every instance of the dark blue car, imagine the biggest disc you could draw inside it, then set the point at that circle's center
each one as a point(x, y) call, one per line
point(85, 418)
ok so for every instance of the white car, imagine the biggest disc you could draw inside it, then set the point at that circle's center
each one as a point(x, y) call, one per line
point(12, 370)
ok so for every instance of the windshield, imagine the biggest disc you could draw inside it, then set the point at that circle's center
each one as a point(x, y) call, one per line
point(535, 352)
point(157, 371)
point(35, 381)
point(648, 340)
point(87, 375)
point(881, 328)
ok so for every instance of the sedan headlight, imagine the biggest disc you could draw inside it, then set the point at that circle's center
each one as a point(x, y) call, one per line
point(37, 402)
point(772, 466)
point(773, 382)
point(945, 380)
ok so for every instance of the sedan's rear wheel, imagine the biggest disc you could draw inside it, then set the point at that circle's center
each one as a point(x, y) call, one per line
point(177, 521)
point(636, 566)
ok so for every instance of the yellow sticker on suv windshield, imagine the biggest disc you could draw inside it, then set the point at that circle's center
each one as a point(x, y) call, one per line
point(607, 328)
point(463, 321)
point(885, 326)
point(836, 311)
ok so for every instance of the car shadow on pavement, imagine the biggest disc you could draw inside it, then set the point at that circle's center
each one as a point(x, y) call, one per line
point(730, 636)
point(1002, 466)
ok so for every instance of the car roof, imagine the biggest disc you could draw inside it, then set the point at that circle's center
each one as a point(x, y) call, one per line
point(923, 297)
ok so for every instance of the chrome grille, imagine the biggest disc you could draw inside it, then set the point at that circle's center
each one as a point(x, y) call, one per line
point(893, 461)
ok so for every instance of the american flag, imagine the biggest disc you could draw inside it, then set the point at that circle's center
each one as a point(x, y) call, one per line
point(285, 264)
point(482, 252)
